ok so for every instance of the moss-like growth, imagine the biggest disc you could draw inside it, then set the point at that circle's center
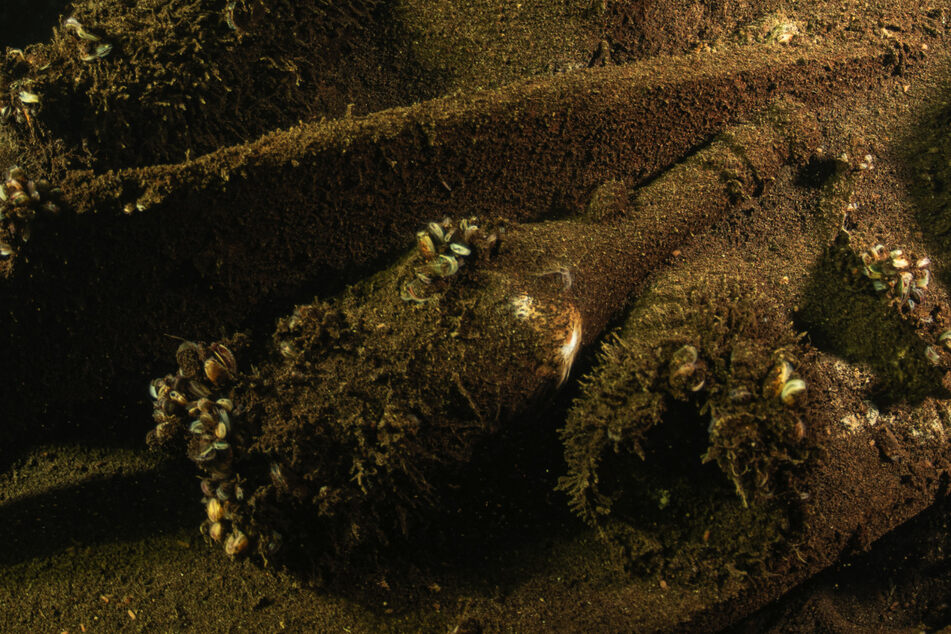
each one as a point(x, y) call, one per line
point(190, 72)
point(704, 370)
point(347, 430)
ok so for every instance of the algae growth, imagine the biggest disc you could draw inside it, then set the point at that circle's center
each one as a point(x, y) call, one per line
point(706, 369)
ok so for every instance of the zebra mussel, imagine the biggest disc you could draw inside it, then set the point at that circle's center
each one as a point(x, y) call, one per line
point(22, 201)
point(196, 402)
point(91, 46)
point(784, 383)
point(442, 248)
point(903, 278)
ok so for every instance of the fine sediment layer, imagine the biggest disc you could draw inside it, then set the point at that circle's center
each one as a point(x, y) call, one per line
point(225, 238)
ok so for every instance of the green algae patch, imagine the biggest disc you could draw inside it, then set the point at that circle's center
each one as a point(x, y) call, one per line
point(684, 441)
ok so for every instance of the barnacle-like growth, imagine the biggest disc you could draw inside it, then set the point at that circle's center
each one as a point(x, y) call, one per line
point(903, 279)
point(719, 345)
point(442, 248)
point(195, 406)
point(22, 201)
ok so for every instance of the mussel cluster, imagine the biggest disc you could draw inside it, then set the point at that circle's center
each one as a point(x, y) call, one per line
point(196, 402)
point(443, 248)
point(892, 272)
point(21, 201)
point(688, 374)
point(738, 444)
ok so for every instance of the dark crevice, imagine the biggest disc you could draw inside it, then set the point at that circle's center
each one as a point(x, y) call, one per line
point(24, 22)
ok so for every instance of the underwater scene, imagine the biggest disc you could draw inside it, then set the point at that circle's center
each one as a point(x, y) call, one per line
point(475, 316)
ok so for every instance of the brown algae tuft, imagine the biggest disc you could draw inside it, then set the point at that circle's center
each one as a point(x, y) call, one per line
point(706, 369)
